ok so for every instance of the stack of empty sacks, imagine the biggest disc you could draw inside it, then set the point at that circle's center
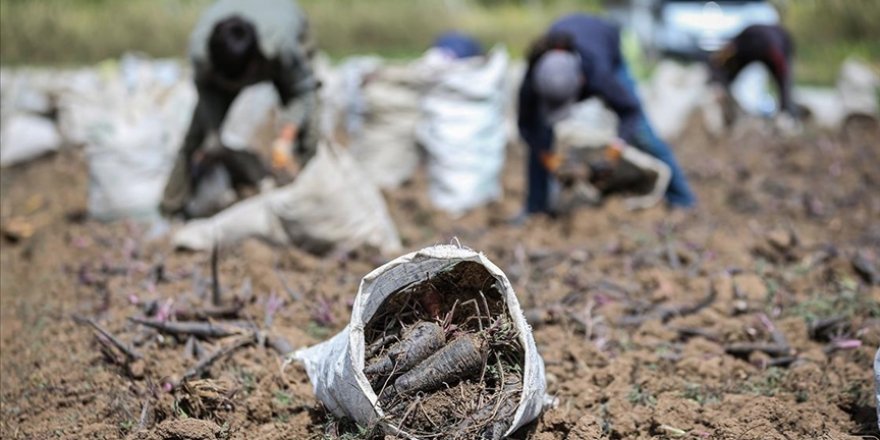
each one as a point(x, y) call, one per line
point(462, 129)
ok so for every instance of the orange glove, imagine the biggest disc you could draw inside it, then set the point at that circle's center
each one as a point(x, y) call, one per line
point(551, 161)
point(282, 156)
point(614, 150)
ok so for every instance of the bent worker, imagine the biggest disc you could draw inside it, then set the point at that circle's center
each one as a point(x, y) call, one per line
point(770, 45)
point(235, 44)
point(579, 58)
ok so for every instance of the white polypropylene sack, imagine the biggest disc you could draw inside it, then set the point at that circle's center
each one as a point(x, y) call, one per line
point(462, 130)
point(335, 366)
point(251, 110)
point(342, 101)
point(24, 137)
point(857, 85)
point(591, 124)
point(824, 105)
point(386, 146)
point(877, 384)
point(751, 90)
point(131, 151)
point(673, 93)
point(330, 206)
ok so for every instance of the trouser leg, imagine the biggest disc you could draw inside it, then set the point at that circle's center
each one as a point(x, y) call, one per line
point(678, 193)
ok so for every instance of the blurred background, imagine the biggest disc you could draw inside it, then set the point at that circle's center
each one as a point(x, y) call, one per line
point(65, 32)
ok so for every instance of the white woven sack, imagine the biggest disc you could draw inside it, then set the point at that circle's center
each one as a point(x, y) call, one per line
point(462, 130)
point(335, 366)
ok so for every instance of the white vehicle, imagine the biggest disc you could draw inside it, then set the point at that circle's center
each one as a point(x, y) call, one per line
point(692, 28)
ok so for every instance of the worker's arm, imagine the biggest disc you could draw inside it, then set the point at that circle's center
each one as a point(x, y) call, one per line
point(532, 124)
point(295, 80)
point(211, 108)
point(618, 93)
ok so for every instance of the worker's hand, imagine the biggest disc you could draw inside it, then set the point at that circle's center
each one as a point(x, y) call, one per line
point(282, 148)
point(614, 150)
point(551, 161)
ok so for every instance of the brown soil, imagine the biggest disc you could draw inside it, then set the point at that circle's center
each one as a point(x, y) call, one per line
point(776, 231)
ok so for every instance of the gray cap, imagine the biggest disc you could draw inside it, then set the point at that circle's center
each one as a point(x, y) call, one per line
point(557, 79)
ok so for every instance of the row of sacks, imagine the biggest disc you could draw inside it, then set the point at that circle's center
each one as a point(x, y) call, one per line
point(450, 114)
point(128, 115)
point(129, 118)
point(389, 116)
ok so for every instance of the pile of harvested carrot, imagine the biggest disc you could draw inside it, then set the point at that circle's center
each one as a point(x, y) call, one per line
point(445, 359)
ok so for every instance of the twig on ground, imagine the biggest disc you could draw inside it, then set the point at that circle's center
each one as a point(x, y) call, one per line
point(744, 349)
point(146, 418)
point(211, 312)
point(215, 276)
point(779, 349)
point(842, 344)
point(689, 332)
point(665, 313)
point(279, 344)
point(129, 352)
point(203, 365)
point(778, 336)
point(821, 328)
point(294, 295)
point(194, 328)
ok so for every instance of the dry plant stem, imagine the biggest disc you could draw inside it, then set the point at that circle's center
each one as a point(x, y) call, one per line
point(665, 313)
point(212, 312)
point(745, 349)
point(192, 348)
point(373, 349)
point(129, 352)
point(821, 327)
point(778, 337)
point(672, 255)
point(146, 418)
point(688, 332)
point(294, 295)
point(215, 276)
point(279, 344)
point(194, 328)
point(199, 368)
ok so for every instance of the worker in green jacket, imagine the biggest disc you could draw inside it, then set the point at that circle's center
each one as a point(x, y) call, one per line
point(235, 44)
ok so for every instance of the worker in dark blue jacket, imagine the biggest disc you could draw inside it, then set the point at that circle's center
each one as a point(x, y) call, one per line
point(580, 58)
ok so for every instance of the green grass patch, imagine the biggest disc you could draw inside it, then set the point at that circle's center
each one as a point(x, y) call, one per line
point(68, 32)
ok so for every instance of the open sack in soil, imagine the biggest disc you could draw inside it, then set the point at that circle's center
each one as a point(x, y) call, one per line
point(443, 297)
point(462, 130)
point(595, 164)
point(330, 206)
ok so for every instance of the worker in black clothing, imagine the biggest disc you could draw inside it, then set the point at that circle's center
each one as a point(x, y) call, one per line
point(235, 44)
point(770, 45)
